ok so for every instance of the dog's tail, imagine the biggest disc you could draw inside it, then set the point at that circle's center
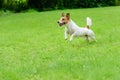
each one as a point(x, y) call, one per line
point(89, 22)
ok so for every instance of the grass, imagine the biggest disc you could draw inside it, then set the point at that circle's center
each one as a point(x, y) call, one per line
point(32, 46)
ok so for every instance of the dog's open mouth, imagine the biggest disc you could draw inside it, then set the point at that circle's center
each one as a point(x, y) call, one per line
point(60, 24)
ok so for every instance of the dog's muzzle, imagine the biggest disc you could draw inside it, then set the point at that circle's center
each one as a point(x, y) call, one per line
point(60, 23)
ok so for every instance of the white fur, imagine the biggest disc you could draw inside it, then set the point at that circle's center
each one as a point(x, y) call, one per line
point(76, 31)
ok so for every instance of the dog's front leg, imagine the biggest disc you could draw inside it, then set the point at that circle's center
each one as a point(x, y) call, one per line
point(72, 36)
point(66, 34)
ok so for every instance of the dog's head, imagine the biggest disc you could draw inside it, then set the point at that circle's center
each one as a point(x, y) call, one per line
point(64, 19)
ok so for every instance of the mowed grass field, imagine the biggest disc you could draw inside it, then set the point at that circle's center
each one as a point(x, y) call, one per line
point(32, 46)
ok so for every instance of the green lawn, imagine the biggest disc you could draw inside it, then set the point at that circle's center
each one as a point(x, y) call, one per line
point(32, 46)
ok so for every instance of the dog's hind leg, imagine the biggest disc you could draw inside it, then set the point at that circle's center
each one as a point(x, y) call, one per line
point(93, 37)
point(87, 38)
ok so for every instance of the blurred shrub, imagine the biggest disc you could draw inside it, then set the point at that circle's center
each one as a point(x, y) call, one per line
point(15, 5)
point(106, 2)
point(40, 5)
point(0, 4)
point(117, 2)
point(61, 4)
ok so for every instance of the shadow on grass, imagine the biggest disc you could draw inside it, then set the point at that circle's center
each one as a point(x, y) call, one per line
point(82, 44)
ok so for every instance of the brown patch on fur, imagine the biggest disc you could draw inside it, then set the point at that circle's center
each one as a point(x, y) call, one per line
point(88, 27)
point(68, 16)
point(63, 15)
point(64, 20)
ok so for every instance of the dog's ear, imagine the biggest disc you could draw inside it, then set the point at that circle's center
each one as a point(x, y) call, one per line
point(68, 16)
point(63, 14)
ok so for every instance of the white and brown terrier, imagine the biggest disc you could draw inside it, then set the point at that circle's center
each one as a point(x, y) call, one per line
point(74, 30)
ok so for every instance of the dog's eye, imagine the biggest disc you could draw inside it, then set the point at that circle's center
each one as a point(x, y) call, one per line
point(63, 19)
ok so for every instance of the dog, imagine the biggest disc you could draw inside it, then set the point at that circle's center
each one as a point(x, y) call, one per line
point(74, 30)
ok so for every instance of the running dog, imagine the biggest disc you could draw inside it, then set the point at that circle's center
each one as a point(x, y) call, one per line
point(74, 30)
